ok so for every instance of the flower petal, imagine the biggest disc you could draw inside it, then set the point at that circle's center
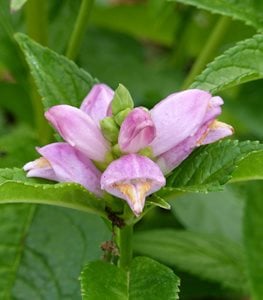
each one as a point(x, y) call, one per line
point(208, 133)
point(217, 130)
point(137, 131)
point(67, 164)
point(40, 168)
point(97, 102)
point(177, 117)
point(132, 177)
point(79, 130)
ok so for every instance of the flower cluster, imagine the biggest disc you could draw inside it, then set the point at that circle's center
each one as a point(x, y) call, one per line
point(111, 146)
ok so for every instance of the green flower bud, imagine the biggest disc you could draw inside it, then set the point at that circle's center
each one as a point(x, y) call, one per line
point(116, 151)
point(121, 100)
point(110, 129)
point(119, 118)
point(147, 152)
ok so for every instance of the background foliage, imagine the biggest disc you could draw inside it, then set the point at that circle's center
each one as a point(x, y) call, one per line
point(212, 241)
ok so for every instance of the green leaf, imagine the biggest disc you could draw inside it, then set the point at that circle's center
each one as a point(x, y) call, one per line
point(253, 236)
point(210, 167)
point(147, 279)
point(209, 257)
point(15, 187)
point(237, 65)
point(17, 147)
point(59, 80)
point(17, 4)
point(250, 168)
point(156, 200)
point(244, 10)
point(218, 213)
point(44, 246)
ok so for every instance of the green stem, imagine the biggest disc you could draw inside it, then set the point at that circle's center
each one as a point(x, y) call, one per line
point(209, 50)
point(79, 29)
point(37, 28)
point(125, 246)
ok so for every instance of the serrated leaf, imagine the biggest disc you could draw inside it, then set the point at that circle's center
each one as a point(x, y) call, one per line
point(235, 66)
point(244, 10)
point(209, 257)
point(44, 246)
point(15, 187)
point(17, 4)
point(59, 80)
point(147, 279)
point(253, 236)
point(210, 167)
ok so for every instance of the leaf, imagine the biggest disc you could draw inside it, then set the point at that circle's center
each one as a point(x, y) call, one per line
point(147, 279)
point(250, 168)
point(17, 147)
point(17, 4)
point(135, 19)
point(237, 65)
point(156, 200)
point(218, 213)
point(59, 80)
point(210, 167)
point(253, 236)
point(209, 257)
point(42, 249)
point(243, 10)
point(15, 187)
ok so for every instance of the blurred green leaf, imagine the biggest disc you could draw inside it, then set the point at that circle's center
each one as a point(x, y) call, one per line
point(253, 236)
point(218, 213)
point(244, 10)
point(147, 279)
point(235, 66)
point(250, 168)
point(209, 257)
point(17, 4)
point(210, 167)
point(139, 20)
point(43, 248)
point(17, 147)
point(59, 80)
point(15, 187)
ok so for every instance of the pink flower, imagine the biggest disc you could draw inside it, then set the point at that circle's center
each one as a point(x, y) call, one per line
point(169, 132)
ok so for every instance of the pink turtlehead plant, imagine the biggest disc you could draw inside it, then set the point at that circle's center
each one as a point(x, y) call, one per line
point(111, 146)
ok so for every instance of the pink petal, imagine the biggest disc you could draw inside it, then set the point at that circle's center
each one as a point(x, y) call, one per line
point(217, 130)
point(208, 133)
point(79, 130)
point(40, 168)
point(177, 117)
point(67, 165)
point(97, 102)
point(137, 131)
point(170, 159)
point(132, 178)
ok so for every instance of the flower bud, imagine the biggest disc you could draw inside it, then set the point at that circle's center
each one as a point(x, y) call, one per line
point(110, 129)
point(121, 100)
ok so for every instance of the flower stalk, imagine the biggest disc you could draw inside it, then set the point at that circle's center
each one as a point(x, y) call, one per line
point(125, 236)
point(209, 50)
point(79, 29)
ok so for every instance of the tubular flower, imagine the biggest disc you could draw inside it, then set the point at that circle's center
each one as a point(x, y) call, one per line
point(168, 133)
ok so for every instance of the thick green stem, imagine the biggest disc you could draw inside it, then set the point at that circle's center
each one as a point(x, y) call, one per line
point(79, 29)
point(209, 50)
point(125, 246)
point(37, 24)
